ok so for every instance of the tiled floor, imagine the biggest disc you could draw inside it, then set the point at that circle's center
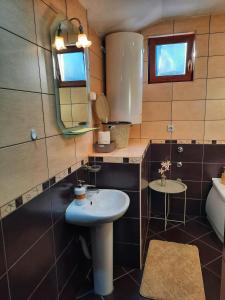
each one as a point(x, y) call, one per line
point(197, 231)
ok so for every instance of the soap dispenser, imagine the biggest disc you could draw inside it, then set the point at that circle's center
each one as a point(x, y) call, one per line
point(223, 176)
point(80, 195)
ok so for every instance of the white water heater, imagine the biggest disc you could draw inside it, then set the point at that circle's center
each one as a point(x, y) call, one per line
point(124, 76)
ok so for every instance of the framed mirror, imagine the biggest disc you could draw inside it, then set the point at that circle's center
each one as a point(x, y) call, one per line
point(71, 78)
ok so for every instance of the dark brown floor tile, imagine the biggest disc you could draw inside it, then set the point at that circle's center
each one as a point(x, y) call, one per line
point(211, 284)
point(206, 253)
point(215, 267)
point(176, 235)
point(47, 289)
point(212, 240)
point(136, 275)
point(203, 220)
point(194, 228)
point(91, 296)
point(4, 288)
point(126, 254)
point(118, 271)
point(125, 289)
point(156, 226)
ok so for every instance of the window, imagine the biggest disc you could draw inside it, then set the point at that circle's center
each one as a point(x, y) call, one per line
point(71, 67)
point(171, 58)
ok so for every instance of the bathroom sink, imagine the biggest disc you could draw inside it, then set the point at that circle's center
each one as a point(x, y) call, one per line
point(103, 206)
point(99, 211)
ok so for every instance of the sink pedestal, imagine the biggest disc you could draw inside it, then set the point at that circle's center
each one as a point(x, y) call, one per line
point(102, 252)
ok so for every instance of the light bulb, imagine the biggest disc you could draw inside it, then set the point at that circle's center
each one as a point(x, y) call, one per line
point(59, 43)
point(83, 41)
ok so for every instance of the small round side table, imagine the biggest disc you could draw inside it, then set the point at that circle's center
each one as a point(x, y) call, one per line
point(171, 187)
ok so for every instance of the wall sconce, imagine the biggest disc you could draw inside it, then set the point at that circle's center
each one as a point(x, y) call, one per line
point(82, 38)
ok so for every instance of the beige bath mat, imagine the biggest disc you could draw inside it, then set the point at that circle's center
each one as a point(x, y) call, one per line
point(172, 272)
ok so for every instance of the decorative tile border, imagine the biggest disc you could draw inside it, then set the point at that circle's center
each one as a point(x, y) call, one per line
point(116, 160)
point(11, 206)
point(217, 142)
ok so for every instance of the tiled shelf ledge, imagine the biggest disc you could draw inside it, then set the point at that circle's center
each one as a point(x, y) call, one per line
point(133, 154)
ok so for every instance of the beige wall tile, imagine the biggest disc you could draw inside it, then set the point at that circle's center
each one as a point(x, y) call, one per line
point(145, 49)
point(155, 130)
point(217, 23)
point(217, 44)
point(192, 24)
point(21, 168)
point(79, 95)
point(157, 92)
point(46, 71)
point(83, 145)
point(96, 66)
point(66, 112)
point(158, 29)
point(19, 113)
point(18, 64)
point(68, 124)
point(145, 76)
point(75, 9)
point(80, 112)
point(58, 5)
point(189, 90)
point(96, 42)
point(216, 66)
point(44, 17)
point(200, 70)
point(96, 85)
point(18, 17)
point(215, 130)
point(49, 107)
point(188, 130)
point(201, 44)
point(156, 111)
point(215, 110)
point(65, 95)
point(135, 131)
point(216, 88)
point(188, 110)
point(61, 153)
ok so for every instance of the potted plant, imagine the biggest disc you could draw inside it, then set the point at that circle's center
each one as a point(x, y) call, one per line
point(165, 166)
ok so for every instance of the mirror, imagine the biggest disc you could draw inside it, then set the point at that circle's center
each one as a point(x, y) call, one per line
point(71, 79)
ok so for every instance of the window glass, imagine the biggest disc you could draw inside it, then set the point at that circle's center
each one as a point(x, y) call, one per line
point(72, 66)
point(171, 59)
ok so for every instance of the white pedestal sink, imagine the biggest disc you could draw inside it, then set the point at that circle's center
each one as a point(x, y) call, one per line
point(103, 207)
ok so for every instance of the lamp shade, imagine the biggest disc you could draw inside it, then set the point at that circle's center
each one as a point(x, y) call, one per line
point(59, 43)
point(83, 41)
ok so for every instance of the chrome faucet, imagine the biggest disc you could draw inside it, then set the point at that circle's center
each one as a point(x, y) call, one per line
point(88, 187)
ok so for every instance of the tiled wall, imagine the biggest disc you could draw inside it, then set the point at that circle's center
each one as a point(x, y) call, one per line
point(27, 98)
point(200, 163)
point(130, 231)
point(40, 254)
point(196, 109)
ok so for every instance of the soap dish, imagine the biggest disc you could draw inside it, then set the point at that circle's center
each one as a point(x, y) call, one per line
point(104, 148)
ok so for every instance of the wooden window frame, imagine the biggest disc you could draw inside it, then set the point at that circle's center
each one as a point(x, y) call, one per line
point(62, 84)
point(188, 38)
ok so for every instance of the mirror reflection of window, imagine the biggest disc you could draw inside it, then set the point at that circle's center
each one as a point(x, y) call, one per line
point(72, 66)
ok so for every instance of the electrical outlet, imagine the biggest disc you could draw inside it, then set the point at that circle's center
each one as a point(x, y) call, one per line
point(170, 128)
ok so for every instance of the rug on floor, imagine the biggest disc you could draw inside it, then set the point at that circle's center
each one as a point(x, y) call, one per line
point(172, 272)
